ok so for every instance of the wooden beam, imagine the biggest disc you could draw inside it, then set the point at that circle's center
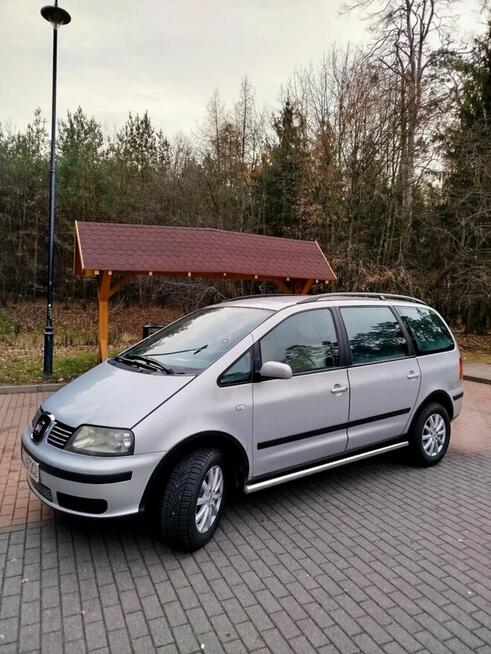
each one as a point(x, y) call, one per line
point(298, 285)
point(282, 285)
point(103, 298)
point(90, 272)
point(117, 286)
point(307, 286)
point(78, 257)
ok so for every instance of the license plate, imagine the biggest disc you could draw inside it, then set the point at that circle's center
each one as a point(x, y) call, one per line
point(31, 466)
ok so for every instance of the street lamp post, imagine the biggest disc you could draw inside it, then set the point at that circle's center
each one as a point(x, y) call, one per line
point(57, 17)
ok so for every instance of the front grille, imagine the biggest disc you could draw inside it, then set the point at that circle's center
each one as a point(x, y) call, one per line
point(59, 434)
point(42, 490)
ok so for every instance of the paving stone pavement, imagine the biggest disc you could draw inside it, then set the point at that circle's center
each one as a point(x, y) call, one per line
point(376, 557)
point(17, 504)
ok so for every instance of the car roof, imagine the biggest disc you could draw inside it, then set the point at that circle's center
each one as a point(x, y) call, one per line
point(276, 302)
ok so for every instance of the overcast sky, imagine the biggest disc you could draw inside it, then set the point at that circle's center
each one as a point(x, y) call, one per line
point(167, 56)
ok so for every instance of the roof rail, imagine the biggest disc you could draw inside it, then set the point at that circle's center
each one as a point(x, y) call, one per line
point(375, 296)
point(258, 295)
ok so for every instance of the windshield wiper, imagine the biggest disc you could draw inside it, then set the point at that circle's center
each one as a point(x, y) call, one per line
point(127, 361)
point(144, 362)
point(151, 363)
point(191, 349)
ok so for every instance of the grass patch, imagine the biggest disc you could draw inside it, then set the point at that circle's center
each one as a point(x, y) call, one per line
point(75, 351)
point(26, 368)
point(72, 366)
point(6, 325)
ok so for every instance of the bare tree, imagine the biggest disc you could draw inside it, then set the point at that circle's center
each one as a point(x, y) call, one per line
point(407, 32)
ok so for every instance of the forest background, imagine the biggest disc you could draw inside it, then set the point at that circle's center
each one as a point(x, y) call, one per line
point(381, 154)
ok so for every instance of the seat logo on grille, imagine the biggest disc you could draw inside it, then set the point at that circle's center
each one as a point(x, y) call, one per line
point(45, 420)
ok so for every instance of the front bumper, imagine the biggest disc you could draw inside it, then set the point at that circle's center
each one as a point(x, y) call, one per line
point(104, 487)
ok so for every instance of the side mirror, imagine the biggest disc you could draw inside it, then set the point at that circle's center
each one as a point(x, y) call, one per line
point(276, 370)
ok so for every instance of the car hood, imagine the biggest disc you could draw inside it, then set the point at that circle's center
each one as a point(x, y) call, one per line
point(112, 397)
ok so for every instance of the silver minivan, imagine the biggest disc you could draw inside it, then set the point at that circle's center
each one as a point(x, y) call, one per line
point(241, 396)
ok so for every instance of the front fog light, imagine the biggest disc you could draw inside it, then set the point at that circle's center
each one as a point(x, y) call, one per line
point(102, 440)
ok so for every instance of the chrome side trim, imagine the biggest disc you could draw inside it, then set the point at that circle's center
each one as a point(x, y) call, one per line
point(276, 481)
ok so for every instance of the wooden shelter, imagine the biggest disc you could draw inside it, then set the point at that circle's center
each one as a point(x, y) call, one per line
point(116, 252)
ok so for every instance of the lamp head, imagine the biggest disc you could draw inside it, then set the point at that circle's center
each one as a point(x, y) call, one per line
point(55, 15)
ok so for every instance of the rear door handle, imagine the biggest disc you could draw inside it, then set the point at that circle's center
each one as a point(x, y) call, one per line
point(337, 388)
point(412, 374)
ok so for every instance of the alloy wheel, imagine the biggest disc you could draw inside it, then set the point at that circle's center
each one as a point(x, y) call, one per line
point(209, 499)
point(434, 434)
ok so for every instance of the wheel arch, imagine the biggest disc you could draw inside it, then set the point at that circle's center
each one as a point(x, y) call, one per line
point(233, 450)
point(440, 396)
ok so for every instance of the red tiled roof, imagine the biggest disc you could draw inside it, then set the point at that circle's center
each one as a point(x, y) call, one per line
point(180, 250)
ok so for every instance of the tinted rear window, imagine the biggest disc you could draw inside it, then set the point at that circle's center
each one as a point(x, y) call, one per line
point(374, 334)
point(427, 329)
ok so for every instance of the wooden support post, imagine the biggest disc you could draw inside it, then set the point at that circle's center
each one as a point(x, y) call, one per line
point(307, 286)
point(103, 295)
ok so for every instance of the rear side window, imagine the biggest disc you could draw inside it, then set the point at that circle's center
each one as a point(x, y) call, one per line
point(427, 329)
point(374, 334)
point(306, 341)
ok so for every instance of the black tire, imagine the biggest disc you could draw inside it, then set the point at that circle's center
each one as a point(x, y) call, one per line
point(180, 497)
point(420, 455)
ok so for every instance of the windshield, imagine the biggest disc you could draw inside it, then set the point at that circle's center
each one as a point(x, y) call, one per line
point(196, 341)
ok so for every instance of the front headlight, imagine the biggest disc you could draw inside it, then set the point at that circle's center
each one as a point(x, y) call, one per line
point(104, 441)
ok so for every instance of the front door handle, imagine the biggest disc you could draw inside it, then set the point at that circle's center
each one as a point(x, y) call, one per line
point(412, 374)
point(337, 388)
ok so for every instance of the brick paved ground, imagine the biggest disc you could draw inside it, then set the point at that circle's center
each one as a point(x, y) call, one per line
point(376, 557)
point(17, 504)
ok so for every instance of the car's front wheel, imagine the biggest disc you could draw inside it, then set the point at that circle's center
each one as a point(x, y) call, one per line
point(430, 435)
point(193, 499)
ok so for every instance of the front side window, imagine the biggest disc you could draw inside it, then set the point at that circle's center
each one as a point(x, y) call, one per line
point(306, 341)
point(196, 341)
point(239, 372)
point(427, 329)
point(374, 334)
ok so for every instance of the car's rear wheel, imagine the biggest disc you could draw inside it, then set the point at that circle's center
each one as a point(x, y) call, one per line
point(193, 499)
point(430, 435)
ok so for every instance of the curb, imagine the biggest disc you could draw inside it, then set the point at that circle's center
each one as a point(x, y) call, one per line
point(29, 388)
point(479, 380)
